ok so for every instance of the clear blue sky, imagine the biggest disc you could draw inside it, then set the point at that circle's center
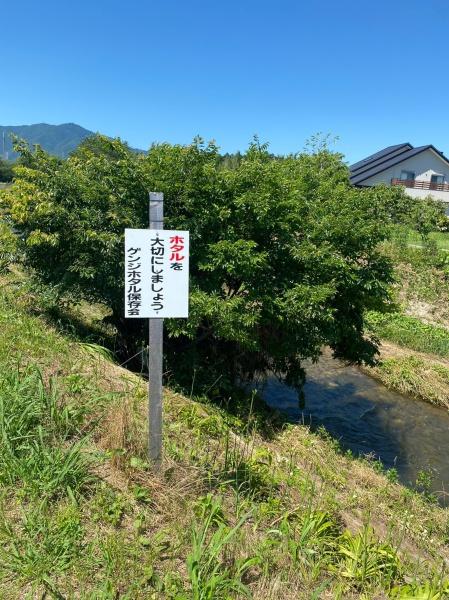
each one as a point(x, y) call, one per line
point(372, 72)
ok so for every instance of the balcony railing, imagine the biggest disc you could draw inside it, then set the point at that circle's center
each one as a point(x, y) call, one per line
point(421, 185)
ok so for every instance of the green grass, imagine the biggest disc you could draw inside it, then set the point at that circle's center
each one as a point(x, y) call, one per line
point(439, 237)
point(237, 510)
point(421, 287)
point(416, 376)
point(41, 546)
point(41, 450)
point(210, 577)
point(409, 332)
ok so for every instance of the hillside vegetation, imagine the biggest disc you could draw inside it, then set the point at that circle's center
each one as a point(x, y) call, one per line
point(242, 507)
point(286, 257)
point(59, 140)
point(415, 330)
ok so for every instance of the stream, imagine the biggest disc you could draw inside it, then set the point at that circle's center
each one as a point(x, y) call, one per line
point(367, 418)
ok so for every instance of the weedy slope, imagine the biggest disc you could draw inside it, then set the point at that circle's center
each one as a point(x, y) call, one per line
point(415, 334)
point(243, 506)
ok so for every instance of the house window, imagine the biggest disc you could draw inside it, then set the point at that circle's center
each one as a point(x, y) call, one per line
point(437, 182)
point(407, 175)
point(437, 179)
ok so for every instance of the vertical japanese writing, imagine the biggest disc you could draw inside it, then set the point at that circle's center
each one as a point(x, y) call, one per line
point(134, 280)
point(157, 272)
point(176, 253)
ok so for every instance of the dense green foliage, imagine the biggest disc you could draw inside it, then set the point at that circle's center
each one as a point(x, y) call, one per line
point(8, 246)
point(6, 171)
point(284, 253)
point(427, 215)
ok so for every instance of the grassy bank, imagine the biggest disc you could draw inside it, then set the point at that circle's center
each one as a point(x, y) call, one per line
point(241, 508)
point(421, 287)
point(414, 357)
point(410, 332)
point(413, 374)
point(441, 239)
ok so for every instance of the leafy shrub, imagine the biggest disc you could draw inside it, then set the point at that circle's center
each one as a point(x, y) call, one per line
point(6, 171)
point(284, 253)
point(8, 246)
point(426, 215)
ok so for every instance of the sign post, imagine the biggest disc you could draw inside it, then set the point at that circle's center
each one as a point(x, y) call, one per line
point(155, 351)
point(156, 287)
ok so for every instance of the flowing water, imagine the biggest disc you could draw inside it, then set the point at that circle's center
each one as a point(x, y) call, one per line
point(367, 418)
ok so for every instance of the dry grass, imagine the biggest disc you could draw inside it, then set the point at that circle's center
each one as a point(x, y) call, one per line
point(351, 487)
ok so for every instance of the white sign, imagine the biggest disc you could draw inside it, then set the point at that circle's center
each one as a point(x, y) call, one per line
point(156, 273)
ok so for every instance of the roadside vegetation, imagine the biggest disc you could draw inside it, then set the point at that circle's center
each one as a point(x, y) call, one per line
point(286, 257)
point(415, 328)
point(440, 238)
point(244, 506)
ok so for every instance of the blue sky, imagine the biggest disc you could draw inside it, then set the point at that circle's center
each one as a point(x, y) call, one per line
point(372, 73)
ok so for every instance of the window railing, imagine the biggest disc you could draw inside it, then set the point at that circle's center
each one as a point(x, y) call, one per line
point(421, 185)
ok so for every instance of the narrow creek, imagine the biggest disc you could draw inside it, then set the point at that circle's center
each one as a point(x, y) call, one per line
point(367, 418)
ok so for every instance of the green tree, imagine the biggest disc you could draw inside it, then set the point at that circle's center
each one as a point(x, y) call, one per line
point(426, 215)
point(6, 171)
point(284, 253)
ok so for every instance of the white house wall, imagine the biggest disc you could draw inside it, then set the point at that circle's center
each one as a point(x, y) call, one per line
point(438, 195)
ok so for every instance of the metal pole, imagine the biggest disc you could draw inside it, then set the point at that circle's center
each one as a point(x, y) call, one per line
point(156, 327)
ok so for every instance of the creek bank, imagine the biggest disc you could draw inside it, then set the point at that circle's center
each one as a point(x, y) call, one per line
point(409, 372)
point(131, 532)
point(368, 419)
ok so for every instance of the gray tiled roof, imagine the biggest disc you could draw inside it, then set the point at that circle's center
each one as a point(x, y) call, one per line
point(379, 155)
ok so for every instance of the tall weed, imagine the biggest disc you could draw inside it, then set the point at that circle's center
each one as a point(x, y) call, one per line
point(35, 431)
point(364, 560)
point(211, 577)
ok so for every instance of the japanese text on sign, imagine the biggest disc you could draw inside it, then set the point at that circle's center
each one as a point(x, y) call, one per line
point(156, 273)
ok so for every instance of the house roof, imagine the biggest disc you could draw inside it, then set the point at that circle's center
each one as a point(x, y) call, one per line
point(388, 157)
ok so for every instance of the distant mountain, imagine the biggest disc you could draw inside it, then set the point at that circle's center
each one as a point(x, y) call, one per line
point(59, 140)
